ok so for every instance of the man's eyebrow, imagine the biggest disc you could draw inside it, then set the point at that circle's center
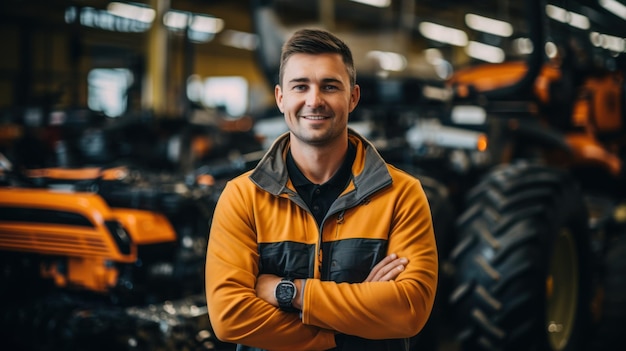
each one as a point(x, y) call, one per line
point(324, 80)
point(332, 80)
point(299, 80)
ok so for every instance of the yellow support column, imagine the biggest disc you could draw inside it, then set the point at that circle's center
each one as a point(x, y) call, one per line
point(327, 14)
point(155, 84)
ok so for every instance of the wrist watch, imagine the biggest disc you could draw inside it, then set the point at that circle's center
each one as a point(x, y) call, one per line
point(285, 292)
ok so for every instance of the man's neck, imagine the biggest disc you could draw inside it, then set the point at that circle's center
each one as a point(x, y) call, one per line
point(319, 164)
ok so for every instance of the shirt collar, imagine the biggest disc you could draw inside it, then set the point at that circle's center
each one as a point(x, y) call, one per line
point(340, 179)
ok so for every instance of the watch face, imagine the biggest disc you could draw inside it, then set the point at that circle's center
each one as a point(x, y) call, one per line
point(285, 292)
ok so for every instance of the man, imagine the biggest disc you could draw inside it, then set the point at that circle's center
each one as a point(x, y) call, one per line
point(323, 245)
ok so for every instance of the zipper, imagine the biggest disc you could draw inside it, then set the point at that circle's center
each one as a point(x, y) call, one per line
point(339, 221)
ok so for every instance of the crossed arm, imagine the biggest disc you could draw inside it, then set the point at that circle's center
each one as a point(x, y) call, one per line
point(242, 306)
point(385, 270)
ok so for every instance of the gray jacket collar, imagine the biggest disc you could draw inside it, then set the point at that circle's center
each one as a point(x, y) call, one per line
point(270, 174)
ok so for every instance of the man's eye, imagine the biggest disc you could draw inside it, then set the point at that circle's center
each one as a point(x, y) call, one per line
point(299, 87)
point(330, 87)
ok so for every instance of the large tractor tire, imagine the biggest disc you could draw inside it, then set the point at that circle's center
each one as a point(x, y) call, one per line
point(609, 331)
point(522, 279)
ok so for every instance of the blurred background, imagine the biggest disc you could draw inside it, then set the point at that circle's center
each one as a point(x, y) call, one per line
point(120, 122)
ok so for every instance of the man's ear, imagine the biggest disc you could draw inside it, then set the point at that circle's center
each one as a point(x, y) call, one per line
point(278, 95)
point(355, 96)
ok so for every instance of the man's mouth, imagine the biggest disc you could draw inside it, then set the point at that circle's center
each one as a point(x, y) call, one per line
point(315, 117)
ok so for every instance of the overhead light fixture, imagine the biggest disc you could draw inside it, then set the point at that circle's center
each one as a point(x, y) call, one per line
point(375, 3)
point(615, 7)
point(116, 21)
point(485, 52)
point(443, 34)
point(176, 20)
point(200, 28)
point(579, 21)
point(239, 40)
point(134, 11)
point(556, 13)
point(564, 16)
point(389, 61)
point(488, 25)
point(608, 42)
point(206, 24)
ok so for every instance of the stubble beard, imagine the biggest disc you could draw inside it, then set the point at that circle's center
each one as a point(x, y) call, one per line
point(316, 136)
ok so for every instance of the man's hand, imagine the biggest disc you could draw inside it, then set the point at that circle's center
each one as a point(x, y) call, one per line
point(265, 287)
point(387, 269)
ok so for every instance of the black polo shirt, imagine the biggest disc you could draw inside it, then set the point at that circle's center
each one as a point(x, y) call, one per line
point(319, 197)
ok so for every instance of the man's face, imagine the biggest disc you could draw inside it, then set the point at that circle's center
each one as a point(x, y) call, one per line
point(316, 98)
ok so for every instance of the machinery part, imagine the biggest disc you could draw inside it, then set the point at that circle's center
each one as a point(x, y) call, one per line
point(99, 260)
point(523, 262)
point(610, 329)
point(119, 231)
point(62, 321)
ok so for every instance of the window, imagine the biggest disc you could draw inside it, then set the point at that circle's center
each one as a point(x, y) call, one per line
point(108, 90)
point(231, 93)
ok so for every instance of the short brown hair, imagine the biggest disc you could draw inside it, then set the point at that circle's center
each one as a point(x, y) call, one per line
point(317, 41)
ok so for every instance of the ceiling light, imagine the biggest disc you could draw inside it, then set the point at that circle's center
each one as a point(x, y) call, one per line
point(579, 21)
point(609, 42)
point(443, 34)
point(389, 61)
point(206, 24)
point(567, 17)
point(488, 25)
point(485, 52)
point(557, 13)
point(134, 11)
point(615, 7)
point(239, 40)
point(375, 3)
point(176, 20)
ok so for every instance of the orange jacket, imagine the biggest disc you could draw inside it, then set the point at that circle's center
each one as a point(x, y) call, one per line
point(261, 225)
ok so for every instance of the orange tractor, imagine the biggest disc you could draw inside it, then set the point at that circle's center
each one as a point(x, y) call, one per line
point(538, 246)
point(99, 257)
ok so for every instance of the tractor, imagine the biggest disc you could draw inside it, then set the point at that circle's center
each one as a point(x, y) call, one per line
point(107, 251)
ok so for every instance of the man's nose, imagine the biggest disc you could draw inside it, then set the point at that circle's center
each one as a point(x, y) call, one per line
point(314, 98)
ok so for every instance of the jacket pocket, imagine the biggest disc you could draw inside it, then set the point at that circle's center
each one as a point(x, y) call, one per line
point(286, 259)
point(352, 260)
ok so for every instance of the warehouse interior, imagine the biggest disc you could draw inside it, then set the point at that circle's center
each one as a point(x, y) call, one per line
point(121, 121)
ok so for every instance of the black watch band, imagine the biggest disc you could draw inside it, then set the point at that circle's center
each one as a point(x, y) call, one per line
point(285, 292)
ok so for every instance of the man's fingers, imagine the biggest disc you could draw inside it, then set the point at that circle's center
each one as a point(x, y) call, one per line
point(393, 273)
point(392, 269)
point(387, 269)
point(375, 273)
point(385, 261)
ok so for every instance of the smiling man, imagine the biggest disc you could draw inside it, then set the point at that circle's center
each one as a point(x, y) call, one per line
point(323, 246)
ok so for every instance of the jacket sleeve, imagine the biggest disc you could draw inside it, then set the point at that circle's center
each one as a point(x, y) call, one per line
point(391, 309)
point(236, 314)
